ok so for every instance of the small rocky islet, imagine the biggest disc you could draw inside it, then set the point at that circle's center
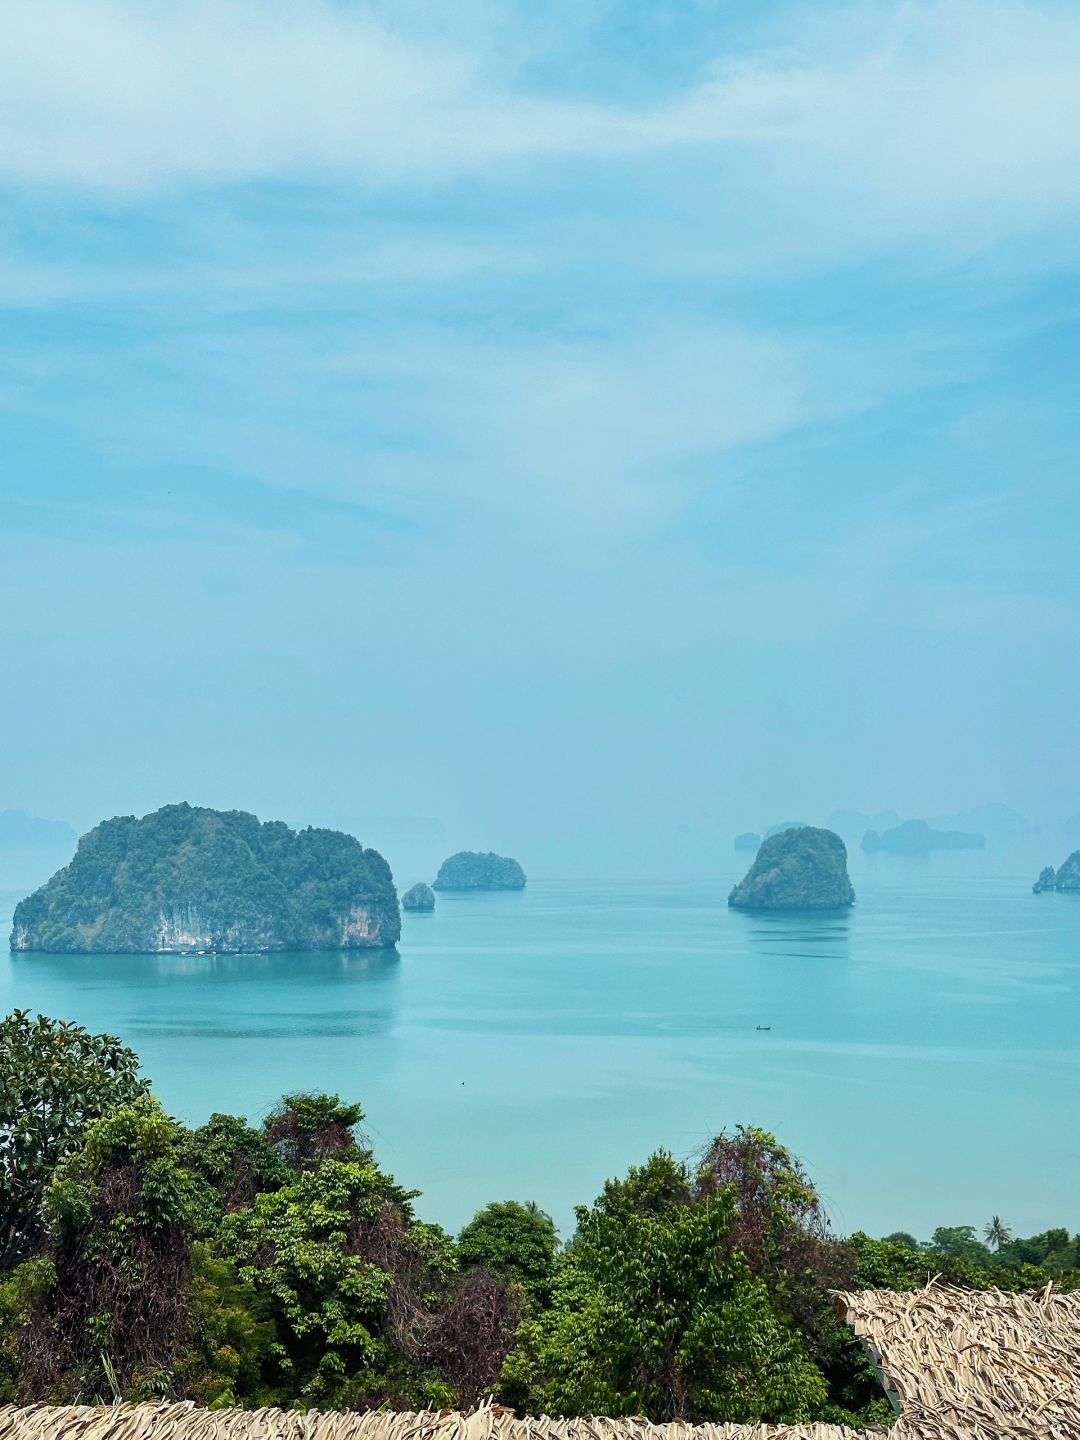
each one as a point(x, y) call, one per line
point(186, 878)
point(476, 870)
point(1065, 879)
point(418, 897)
point(803, 868)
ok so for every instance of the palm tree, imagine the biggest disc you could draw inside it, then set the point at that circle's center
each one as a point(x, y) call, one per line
point(997, 1233)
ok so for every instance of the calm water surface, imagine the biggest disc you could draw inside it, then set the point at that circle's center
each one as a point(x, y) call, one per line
point(922, 1053)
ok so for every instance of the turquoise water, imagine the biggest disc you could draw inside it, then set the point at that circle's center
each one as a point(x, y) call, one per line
point(922, 1055)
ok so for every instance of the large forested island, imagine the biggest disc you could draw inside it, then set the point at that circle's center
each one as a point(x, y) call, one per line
point(471, 870)
point(188, 878)
point(799, 869)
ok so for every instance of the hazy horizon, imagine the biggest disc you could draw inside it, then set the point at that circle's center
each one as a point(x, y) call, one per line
point(414, 846)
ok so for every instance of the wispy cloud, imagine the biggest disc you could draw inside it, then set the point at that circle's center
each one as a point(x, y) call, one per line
point(900, 119)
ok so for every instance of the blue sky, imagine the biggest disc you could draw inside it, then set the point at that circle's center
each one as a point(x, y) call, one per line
point(580, 430)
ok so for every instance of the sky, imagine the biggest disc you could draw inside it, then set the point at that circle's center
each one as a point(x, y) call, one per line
point(583, 431)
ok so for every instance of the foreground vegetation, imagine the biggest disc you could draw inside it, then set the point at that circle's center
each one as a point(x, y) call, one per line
point(236, 1265)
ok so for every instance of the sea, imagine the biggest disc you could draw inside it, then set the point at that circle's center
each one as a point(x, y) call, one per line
point(919, 1052)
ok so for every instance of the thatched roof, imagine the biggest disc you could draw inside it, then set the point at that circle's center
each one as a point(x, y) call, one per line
point(958, 1364)
point(185, 1422)
point(974, 1364)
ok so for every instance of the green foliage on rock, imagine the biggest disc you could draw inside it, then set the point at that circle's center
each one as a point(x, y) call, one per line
point(473, 870)
point(54, 1079)
point(418, 897)
point(804, 868)
point(186, 877)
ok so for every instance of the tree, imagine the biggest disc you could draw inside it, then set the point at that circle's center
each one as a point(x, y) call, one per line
point(514, 1242)
point(345, 1274)
point(230, 1163)
point(960, 1243)
point(55, 1078)
point(997, 1233)
point(892, 1265)
point(111, 1303)
point(305, 1128)
point(780, 1226)
point(122, 1302)
point(654, 1314)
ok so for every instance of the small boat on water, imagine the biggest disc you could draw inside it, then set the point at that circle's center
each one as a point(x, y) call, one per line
point(764, 1027)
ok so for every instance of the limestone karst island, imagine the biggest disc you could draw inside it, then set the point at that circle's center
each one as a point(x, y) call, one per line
point(916, 837)
point(471, 870)
point(418, 897)
point(186, 878)
point(1065, 878)
point(802, 868)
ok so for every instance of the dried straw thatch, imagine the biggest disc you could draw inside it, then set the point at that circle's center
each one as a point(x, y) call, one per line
point(974, 1364)
point(185, 1422)
point(959, 1365)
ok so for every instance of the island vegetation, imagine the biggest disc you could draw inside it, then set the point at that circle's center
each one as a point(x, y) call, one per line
point(188, 878)
point(280, 1264)
point(473, 870)
point(418, 897)
point(799, 868)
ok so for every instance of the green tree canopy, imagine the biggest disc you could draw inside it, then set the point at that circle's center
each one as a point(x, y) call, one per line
point(333, 1254)
point(654, 1314)
point(111, 1305)
point(55, 1078)
point(230, 1163)
point(306, 1127)
point(515, 1242)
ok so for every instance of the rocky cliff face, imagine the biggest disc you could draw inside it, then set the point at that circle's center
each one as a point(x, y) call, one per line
point(1067, 878)
point(194, 927)
point(471, 870)
point(803, 869)
point(186, 878)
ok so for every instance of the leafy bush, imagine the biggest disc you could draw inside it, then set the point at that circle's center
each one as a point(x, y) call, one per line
point(515, 1242)
point(55, 1079)
point(654, 1314)
point(114, 1304)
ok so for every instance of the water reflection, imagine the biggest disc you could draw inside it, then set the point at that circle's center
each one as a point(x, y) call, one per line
point(330, 995)
point(288, 966)
point(800, 934)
